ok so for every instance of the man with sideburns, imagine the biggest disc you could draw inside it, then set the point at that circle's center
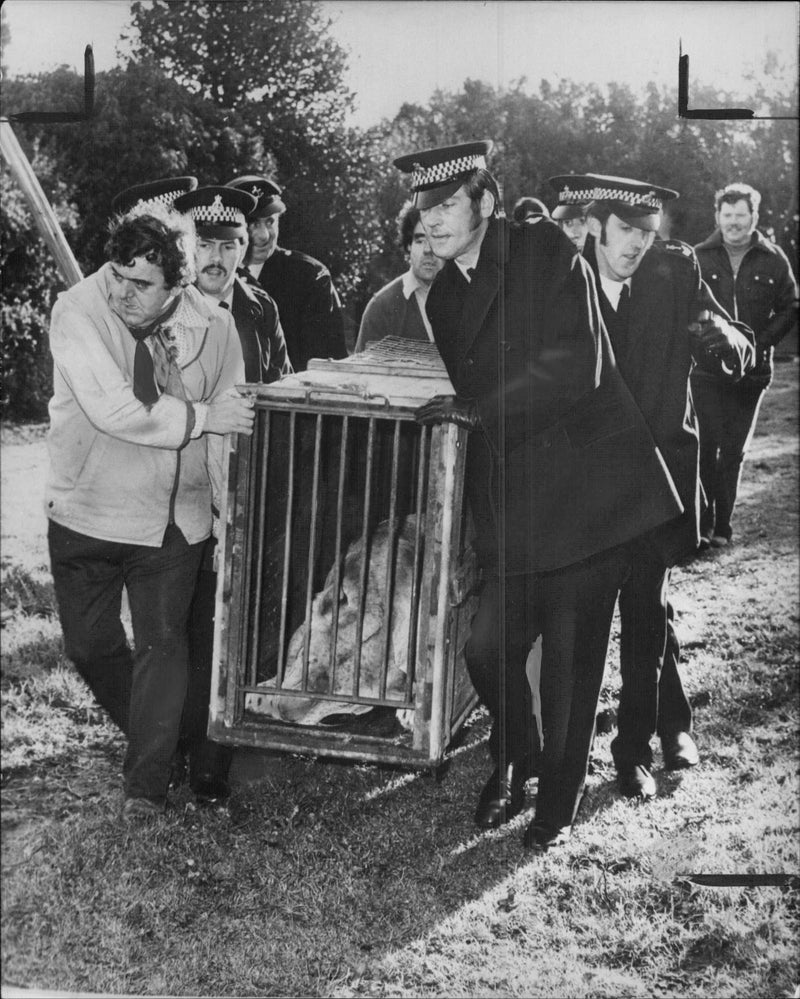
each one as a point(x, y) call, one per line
point(560, 469)
point(663, 323)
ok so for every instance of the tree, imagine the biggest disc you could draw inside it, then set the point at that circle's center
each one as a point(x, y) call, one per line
point(30, 284)
point(273, 54)
point(582, 128)
point(271, 70)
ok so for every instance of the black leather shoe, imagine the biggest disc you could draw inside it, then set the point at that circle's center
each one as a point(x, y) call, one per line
point(635, 781)
point(680, 751)
point(541, 836)
point(210, 790)
point(502, 798)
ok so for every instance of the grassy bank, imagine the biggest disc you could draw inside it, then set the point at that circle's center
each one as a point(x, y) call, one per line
point(329, 879)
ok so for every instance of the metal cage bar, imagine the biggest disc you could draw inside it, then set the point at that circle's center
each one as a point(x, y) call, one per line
point(287, 551)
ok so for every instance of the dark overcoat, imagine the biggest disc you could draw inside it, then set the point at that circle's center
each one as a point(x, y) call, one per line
point(563, 466)
point(260, 333)
point(656, 354)
point(308, 306)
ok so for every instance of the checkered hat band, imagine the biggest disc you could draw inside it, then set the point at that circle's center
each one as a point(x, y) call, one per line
point(633, 198)
point(217, 214)
point(166, 199)
point(440, 173)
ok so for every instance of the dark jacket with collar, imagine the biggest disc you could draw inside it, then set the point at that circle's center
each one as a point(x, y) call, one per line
point(308, 306)
point(581, 472)
point(763, 294)
point(656, 354)
point(260, 333)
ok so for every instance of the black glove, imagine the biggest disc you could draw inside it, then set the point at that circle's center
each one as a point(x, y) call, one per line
point(712, 334)
point(448, 409)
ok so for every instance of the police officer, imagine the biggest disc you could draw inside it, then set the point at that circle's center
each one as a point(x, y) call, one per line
point(571, 220)
point(560, 468)
point(310, 311)
point(663, 321)
point(219, 216)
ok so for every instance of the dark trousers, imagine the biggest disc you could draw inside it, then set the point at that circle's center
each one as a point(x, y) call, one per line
point(572, 610)
point(206, 758)
point(143, 691)
point(652, 699)
point(726, 415)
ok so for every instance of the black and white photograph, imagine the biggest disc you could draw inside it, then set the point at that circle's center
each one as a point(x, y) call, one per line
point(400, 424)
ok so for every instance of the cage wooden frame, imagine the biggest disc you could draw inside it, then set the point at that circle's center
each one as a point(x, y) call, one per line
point(438, 695)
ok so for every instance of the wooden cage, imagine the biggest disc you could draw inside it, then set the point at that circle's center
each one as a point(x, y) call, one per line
point(346, 580)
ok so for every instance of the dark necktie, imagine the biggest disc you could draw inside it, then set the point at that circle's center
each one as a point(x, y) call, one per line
point(144, 375)
point(623, 305)
point(224, 305)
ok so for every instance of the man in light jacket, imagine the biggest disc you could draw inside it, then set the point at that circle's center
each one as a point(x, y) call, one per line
point(144, 376)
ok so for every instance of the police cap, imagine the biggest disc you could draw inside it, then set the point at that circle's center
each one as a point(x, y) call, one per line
point(636, 202)
point(161, 192)
point(217, 212)
point(527, 207)
point(438, 173)
point(266, 192)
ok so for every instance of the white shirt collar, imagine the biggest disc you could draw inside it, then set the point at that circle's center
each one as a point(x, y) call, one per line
point(227, 299)
point(613, 289)
point(412, 284)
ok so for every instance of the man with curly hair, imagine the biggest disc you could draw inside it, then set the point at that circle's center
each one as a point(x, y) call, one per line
point(398, 309)
point(144, 376)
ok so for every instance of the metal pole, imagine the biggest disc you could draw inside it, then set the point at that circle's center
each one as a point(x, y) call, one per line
point(43, 214)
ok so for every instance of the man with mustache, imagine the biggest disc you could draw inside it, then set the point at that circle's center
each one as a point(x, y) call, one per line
point(663, 322)
point(752, 278)
point(309, 307)
point(560, 471)
point(219, 217)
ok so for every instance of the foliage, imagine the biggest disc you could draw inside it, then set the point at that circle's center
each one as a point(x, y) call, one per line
point(577, 128)
point(30, 283)
point(217, 89)
point(271, 54)
point(271, 70)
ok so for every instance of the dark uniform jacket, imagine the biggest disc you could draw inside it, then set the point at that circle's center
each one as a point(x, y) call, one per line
point(763, 294)
point(308, 305)
point(260, 333)
point(581, 471)
point(655, 354)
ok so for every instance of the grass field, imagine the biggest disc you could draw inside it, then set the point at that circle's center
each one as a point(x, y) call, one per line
point(342, 880)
